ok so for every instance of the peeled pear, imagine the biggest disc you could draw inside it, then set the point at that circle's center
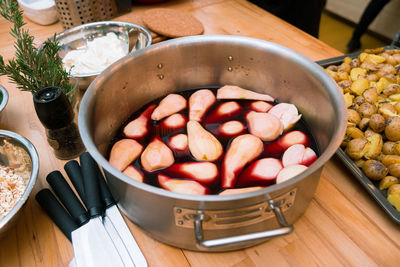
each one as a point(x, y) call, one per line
point(235, 92)
point(202, 144)
point(199, 103)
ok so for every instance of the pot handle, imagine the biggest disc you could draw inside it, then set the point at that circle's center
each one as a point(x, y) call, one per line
point(284, 230)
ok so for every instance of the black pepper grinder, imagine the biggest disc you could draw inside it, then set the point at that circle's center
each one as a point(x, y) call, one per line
point(56, 114)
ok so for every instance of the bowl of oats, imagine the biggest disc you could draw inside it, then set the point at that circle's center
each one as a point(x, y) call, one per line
point(19, 166)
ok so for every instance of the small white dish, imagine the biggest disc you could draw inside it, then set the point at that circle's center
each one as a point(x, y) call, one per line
point(42, 12)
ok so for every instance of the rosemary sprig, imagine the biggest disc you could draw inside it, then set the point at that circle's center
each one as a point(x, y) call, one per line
point(31, 69)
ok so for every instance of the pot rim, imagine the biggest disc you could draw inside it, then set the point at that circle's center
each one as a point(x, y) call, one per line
point(87, 104)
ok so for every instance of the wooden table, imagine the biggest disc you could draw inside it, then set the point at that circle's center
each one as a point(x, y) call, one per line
point(342, 226)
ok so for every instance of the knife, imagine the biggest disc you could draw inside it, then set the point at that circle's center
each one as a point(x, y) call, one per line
point(75, 175)
point(58, 214)
point(92, 244)
point(114, 218)
point(113, 221)
point(94, 203)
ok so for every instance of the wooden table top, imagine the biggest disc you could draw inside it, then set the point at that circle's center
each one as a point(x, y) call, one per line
point(342, 226)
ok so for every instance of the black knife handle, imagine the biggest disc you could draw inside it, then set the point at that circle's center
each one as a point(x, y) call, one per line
point(56, 212)
point(67, 197)
point(105, 193)
point(91, 185)
point(74, 172)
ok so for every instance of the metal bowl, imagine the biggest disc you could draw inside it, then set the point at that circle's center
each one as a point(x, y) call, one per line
point(212, 222)
point(18, 140)
point(78, 38)
point(3, 98)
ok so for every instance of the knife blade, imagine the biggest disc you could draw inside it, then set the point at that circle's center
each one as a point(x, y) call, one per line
point(91, 242)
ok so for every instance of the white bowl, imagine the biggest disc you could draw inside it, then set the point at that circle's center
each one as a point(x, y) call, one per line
point(43, 12)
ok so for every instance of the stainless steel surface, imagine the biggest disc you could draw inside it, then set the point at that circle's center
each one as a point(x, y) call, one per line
point(233, 218)
point(133, 37)
point(113, 217)
point(9, 220)
point(118, 243)
point(233, 240)
point(73, 13)
point(4, 101)
point(79, 36)
point(93, 246)
point(201, 61)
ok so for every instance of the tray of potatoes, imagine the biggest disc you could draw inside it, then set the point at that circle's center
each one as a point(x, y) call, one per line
point(370, 83)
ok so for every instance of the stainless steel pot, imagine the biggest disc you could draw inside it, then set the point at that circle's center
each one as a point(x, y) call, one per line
point(212, 223)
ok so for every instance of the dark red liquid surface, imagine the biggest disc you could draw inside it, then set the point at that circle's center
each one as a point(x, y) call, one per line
point(155, 130)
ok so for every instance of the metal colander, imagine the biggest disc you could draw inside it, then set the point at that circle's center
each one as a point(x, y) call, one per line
point(77, 12)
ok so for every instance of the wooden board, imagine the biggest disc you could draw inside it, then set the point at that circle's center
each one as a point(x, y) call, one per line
point(342, 226)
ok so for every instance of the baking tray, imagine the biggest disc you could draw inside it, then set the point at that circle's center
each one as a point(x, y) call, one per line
point(371, 186)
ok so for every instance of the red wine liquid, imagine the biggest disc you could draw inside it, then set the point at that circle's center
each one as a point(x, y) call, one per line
point(155, 130)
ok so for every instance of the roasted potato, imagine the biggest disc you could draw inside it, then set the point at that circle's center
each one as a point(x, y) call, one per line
point(377, 123)
point(353, 116)
point(374, 146)
point(368, 133)
point(342, 76)
point(355, 73)
point(392, 129)
point(394, 189)
point(374, 169)
point(354, 63)
point(383, 83)
point(388, 148)
point(359, 86)
point(354, 132)
point(397, 107)
point(389, 58)
point(344, 67)
point(372, 77)
point(359, 100)
point(356, 148)
point(344, 84)
point(364, 124)
point(397, 58)
point(394, 169)
point(359, 162)
point(388, 181)
point(348, 98)
point(370, 95)
point(386, 69)
point(391, 90)
point(333, 68)
point(366, 110)
point(394, 199)
point(387, 110)
point(394, 195)
point(388, 160)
